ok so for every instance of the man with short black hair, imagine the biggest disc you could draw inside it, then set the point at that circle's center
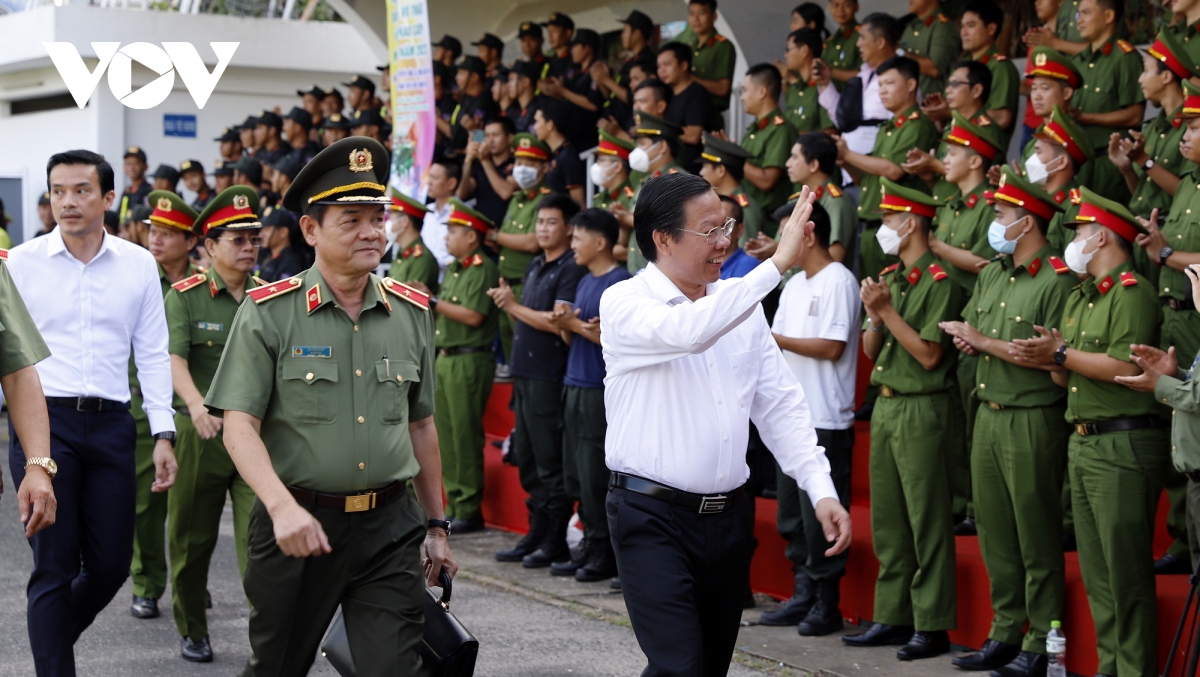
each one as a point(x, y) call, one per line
point(138, 188)
point(487, 171)
point(930, 39)
point(967, 92)
point(713, 58)
point(566, 173)
point(296, 127)
point(194, 180)
point(690, 102)
point(268, 130)
point(768, 139)
point(802, 105)
point(980, 29)
point(651, 96)
point(444, 177)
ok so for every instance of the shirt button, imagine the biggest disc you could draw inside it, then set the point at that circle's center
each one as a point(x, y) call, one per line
point(356, 327)
point(1091, 305)
point(361, 419)
point(456, 275)
point(987, 358)
point(888, 344)
point(878, 368)
point(1167, 290)
point(1083, 333)
point(1074, 389)
point(362, 466)
point(454, 298)
point(993, 331)
point(358, 372)
point(502, 257)
point(1012, 279)
point(982, 386)
point(725, 439)
point(1018, 318)
point(437, 332)
point(308, 376)
point(399, 378)
point(1002, 304)
point(210, 344)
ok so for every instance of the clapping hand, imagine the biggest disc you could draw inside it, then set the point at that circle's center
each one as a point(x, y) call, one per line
point(876, 297)
point(502, 296)
point(761, 247)
point(1154, 363)
point(1038, 350)
point(970, 337)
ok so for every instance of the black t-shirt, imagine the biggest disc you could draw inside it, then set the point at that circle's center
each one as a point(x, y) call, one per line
point(136, 194)
point(538, 354)
point(481, 108)
point(287, 264)
point(270, 157)
point(522, 118)
point(688, 108)
point(583, 127)
point(566, 170)
point(304, 154)
point(486, 200)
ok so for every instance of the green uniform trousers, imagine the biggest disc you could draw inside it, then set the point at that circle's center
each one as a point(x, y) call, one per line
point(963, 431)
point(585, 474)
point(374, 572)
point(537, 443)
point(1018, 461)
point(1115, 483)
point(149, 567)
point(797, 520)
point(911, 524)
point(507, 326)
point(195, 503)
point(464, 386)
point(1181, 328)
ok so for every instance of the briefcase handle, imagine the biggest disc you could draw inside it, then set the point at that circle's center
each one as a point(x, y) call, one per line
point(447, 588)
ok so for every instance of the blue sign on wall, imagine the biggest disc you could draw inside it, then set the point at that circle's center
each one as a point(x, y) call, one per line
point(179, 125)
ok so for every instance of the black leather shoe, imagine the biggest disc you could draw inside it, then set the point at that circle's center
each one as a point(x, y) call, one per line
point(881, 635)
point(144, 607)
point(615, 583)
point(580, 555)
point(991, 656)
point(601, 565)
point(1026, 664)
point(1170, 564)
point(925, 645)
point(196, 651)
point(821, 620)
point(966, 527)
point(538, 523)
point(466, 526)
point(795, 608)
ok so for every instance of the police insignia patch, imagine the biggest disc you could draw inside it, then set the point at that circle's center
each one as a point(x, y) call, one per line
point(241, 202)
point(164, 204)
point(360, 160)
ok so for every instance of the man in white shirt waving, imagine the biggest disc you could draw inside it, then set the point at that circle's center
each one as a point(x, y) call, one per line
point(690, 363)
point(92, 296)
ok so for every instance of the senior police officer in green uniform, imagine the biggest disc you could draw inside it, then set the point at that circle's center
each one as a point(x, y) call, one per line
point(171, 240)
point(1117, 454)
point(413, 262)
point(931, 39)
point(200, 312)
point(910, 460)
point(1019, 450)
point(721, 165)
point(328, 397)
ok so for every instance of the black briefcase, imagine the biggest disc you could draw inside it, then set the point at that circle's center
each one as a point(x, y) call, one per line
point(447, 650)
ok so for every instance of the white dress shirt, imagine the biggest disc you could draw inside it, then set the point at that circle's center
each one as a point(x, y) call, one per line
point(90, 314)
point(685, 379)
point(433, 234)
point(861, 139)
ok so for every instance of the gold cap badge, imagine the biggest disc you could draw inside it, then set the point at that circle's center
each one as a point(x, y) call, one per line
point(164, 204)
point(360, 160)
point(1039, 60)
point(240, 202)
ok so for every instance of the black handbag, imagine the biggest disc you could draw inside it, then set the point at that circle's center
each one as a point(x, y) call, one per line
point(447, 650)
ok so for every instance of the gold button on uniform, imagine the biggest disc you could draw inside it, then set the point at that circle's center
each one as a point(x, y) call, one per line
point(356, 327)
point(210, 344)
point(358, 372)
point(362, 465)
point(878, 368)
point(361, 419)
point(1074, 389)
point(308, 376)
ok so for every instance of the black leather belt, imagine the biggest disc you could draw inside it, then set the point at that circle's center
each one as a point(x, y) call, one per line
point(1192, 475)
point(87, 403)
point(511, 281)
point(463, 350)
point(705, 505)
point(1121, 425)
point(1176, 304)
point(368, 500)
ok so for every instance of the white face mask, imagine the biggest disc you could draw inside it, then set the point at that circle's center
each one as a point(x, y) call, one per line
point(391, 227)
point(889, 240)
point(600, 175)
point(525, 176)
point(1036, 171)
point(1076, 259)
point(639, 159)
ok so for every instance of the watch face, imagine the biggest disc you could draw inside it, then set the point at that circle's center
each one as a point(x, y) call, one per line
point(52, 466)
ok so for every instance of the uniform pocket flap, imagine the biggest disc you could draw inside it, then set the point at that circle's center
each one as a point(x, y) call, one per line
point(310, 370)
point(398, 371)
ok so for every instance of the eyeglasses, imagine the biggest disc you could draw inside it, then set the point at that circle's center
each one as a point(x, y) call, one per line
point(715, 234)
point(241, 241)
point(956, 83)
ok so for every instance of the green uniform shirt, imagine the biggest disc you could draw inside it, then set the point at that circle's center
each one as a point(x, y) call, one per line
point(466, 284)
point(622, 194)
point(134, 383)
point(841, 50)
point(1179, 391)
point(923, 301)
point(635, 261)
point(909, 129)
point(1106, 316)
point(335, 397)
point(800, 107)
point(963, 223)
point(21, 343)
point(1009, 300)
point(713, 60)
point(936, 38)
point(520, 219)
point(770, 141)
point(1163, 136)
point(752, 215)
point(1110, 82)
point(943, 190)
point(416, 262)
point(1068, 197)
point(1182, 234)
point(1006, 91)
point(843, 219)
point(200, 312)
point(1187, 35)
point(1066, 27)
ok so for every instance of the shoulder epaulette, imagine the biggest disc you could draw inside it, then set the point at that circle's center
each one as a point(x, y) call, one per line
point(188, 282)
point(1001, 57)
point(943, 18)
point(416, 297)
point(914, 115)
point(889, 269)
point(260, 294)
point(833, 190)
point(629, 191)
point(1076, 196)
point(1128, 279)
point(778, 120)
point(742, 200)
point(720, 38)
point(1125, 46)
point(546, 191)
point(1058, 265)
point(3, 254)
point(793, 196)
point(938, 273)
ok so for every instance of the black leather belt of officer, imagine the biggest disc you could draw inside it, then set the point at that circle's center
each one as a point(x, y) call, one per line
point(1192, 475)
point(363, 502)
point(512, 281)
point(705, 505)
point(1121, 425)
point(1176, 304)
point(87, 403)
point(463, 350)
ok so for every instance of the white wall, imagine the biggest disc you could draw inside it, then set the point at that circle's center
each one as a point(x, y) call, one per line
point(28, 141)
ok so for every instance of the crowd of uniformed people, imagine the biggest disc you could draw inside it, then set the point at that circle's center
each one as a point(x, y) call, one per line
point(1030, 317)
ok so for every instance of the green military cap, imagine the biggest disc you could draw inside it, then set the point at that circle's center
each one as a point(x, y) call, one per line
point(1191, 100)
point(1172, 54)
point(983, 138)
point(1050, 63)
point(1105, 212)
point(527, 145)
point(353, 170)
point(1063, 131)
point(614, 145)
point(170, 210)
point(724, 152)
point(235, 208)
point(656, 127)
point(897, 198)
point(1017, 190)
point(404, 203)
point(462, 215)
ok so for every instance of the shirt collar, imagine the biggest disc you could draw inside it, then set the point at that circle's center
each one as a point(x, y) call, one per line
point(921, 264)
point(55, 245)
point(317, 293)
point(662, 286)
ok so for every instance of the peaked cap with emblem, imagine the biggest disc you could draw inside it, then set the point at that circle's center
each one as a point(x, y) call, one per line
point(229, 134)
point(724, 152)
point(222, 168)
point(490, 41)
point(166, 172)
point(361, 82)
point(529, 29)
point(336, 121)
point(1063, 131)
point(353, 170)
point(1105, 212)
point(981, 139)
point(1046, 62)
point(527, 145)
point(614, 145)
point(655, 127)
point(190, 166)
point(407, 205)
point(897, 198)
point(135, 151)
point(315, 90)
point(1171, 53)
point(235, 208)
point(1017, 190)
point(170, 211)
point(462, 215)
point(1191, 101)
point(369, 116)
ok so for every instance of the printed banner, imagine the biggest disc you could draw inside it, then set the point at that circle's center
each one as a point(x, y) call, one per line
point(414, 127)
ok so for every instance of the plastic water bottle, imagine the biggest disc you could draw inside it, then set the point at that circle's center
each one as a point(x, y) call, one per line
point(1056, 651)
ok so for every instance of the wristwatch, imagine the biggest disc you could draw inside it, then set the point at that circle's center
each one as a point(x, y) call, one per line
point(440, 524)
point(1148, 164)
point(433, 301)
point(1060, 355)
point(45, 463)
point(168, 436)
point(1165, 253)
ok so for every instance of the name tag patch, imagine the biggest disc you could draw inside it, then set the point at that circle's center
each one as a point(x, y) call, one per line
point(312, 351)
point(210, 326)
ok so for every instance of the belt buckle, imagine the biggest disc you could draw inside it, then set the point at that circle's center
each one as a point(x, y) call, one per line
point(886, 391)
point(79, 405)
point(1081, 429)
point(360, 502)
point(995, 406)
point(712, 504)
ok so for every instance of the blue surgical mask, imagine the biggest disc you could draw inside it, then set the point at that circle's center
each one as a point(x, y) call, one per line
point(996, 237)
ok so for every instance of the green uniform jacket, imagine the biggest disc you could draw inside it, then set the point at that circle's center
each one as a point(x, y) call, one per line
point(635, 260)
point(1110, 82)
point(1006, 91)
point(466, 284)
point(843, 218)
point(21, 344)
point(200, 312)
point(752, 215)
point(770, 141)
point(520, 219)
point(1106, 316)
point(1069, 198)
point(622, 195)
point(135, 385)
point(1189, 37)
point(937, 38)
point(924, 296)
point(416, 262)
point(1179, 391)
point(963, 223)
point(1065, 26)
point(841, 50)
point(1182, 234)
point(335, 396)
point(800, 107)
point(1163, 135)
point(1009, 300)
point(909, 129)
point(713, 60)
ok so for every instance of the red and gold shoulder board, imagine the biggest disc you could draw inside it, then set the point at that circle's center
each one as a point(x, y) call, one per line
point(1128, 279)
point(630, 192)
point(778, 120)
point(3, 254)
point(1125, 46)
point(914, 115)
point(1058, 265)
point(943, 18)
point(720, 38)
point(188, 282)
point(889, 269)
point(1001, 57)
point(270, 291)
point(1076, 196)
point(938, 273)
point(418, 298)
point(833, 190)
point(742, 200)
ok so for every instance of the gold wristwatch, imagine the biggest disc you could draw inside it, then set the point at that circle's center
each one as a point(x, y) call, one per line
point(46, 464)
